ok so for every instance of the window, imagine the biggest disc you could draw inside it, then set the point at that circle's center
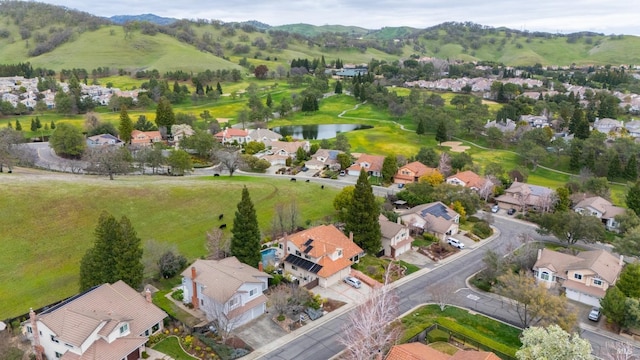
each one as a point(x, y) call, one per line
point(155, 327)
point(597, 282)
point(146, 333)
point(58, 355)
point(577, 276)
point(233, 302)
point(307, 256)
point(124, 328)
point(53, 338)
point(252, 292)
point(293, 267)
point(339, 252)
point(544, 276)
point(280, 246)
point(68, 345)
point(29, 330)
point(298, 252)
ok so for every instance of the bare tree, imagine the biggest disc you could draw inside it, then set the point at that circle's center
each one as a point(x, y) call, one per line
point(217, 244)
point(444, 165)
point(230, 158)
point(546, 201)
point(442, 294)
point(221, 314)
point(616, 350)
point(279, 298)
point(108, 160)
point(486, 189)
point(371, 329)
point(13, 151)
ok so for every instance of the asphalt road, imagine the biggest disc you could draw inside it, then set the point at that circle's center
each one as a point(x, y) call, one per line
point(323, 342)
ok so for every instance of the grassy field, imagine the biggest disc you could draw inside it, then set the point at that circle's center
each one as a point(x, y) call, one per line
point(47, 222)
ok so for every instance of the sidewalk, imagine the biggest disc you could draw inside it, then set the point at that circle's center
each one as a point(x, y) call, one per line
point(156, 355)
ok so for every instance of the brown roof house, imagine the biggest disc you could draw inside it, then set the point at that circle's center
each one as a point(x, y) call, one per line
point(371, 163)
point(420, 351)
point(111, 321)
point(145, 138)
point(231, 135)
point(324, 158)
point(467, 179)
point(278, 152)
point(227, 291)
point(412, 172)
point(435, 218)
point(585, 277)
point(602, 209)
point(396, 239)
point(321, 254)
point(522, 196)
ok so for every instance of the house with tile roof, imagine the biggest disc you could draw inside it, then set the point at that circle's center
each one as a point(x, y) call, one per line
point(585, 277)
point(467, 179)
point(522, 196)
point(412, 172)
point(396, 239)
point(420, 351)
point(602, 209)
point(607, 125)
point(111, 321)
point(231, 135)
point(324, 158)
point(321, 254)
point(264, 135)
point(435, 218)
point(371, 163)
point(633, 127)
point(229, 292)
point(145, 138)
point(103, 140)
point(503, 126)
point(278, 152)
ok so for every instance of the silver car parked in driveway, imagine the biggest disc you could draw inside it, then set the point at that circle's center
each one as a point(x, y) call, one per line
point(350, 280)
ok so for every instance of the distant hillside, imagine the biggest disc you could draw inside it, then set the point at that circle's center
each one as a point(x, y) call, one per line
point(313, 30)
point(155, 19)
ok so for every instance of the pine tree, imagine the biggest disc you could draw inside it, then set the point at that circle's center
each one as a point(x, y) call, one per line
point(615, 167)
point(338, 88)
point(441, 132)
point(582, 129)
point(362, 217)
point(9, 125)
point(269, 101)
point(33, 125)
point(420, 129)
point(633, 198)
point(126, 125)
point(164, 115)
point(53, 125)
point(219, 88)
point(38, 123)
point(18, 125)
point(245, 242)
point(116, 254)
point(631, 170)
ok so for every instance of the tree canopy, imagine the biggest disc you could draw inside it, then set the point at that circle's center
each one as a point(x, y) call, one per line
point(362, 216)
point(245, 242)
point(571, 227)
point(67, 140)
point(553, 343)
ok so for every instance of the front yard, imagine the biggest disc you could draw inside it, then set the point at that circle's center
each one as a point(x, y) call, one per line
point(375, 268)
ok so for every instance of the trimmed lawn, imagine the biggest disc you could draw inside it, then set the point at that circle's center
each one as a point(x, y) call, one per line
point(489, 332)
point(171, 347)
point(375, 267)
point(172, 309)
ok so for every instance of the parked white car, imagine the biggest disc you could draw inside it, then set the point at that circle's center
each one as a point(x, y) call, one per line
point(495, 208)
point(455, 243)
point(350, 280)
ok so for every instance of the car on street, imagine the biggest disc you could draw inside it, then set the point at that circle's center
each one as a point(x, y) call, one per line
point(350, 280)
point(511, 211)
point(455, 243)
point(594, 314)
point(495, 208)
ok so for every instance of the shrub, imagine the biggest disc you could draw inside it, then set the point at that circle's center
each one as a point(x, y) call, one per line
point(438, 335)
point(482, 229)
point(178, 295)
point(145, 355)
point(280, 317)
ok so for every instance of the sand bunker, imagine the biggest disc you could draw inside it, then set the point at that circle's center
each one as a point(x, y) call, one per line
point(456, 146)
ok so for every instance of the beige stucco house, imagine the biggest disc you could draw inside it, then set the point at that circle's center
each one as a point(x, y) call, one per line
point(412, 172)
point(396, 239)
point(435, 218)
point(602, 209)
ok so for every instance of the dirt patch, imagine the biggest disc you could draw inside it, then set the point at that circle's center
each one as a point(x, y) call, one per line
point(331, 305)
point(437, 251)
point(223, 120)
point(456, 146)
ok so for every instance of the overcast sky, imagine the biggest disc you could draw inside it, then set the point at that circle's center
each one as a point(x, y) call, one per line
point(604, 16)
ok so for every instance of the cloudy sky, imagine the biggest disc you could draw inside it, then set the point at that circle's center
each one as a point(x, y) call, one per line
point(604, 16)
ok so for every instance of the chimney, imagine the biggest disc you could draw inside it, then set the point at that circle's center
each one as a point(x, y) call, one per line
point(147, 295)
point(351, 236)
point(539, 253)
point(621, 261)
point(36, 334)
point(260, 267)
point(285, 243)
point(194, 293)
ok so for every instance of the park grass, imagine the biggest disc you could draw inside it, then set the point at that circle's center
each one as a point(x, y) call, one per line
point(171, 347)
point(48, 223)
point(489, 332)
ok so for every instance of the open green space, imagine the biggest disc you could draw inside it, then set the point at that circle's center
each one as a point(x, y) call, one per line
point(171, 347)
point(494, 334)
point(48, 222)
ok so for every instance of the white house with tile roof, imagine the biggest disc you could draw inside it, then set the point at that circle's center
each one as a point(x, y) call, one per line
point(111, 321)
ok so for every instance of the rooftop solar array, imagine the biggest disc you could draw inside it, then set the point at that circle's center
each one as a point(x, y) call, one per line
point(437, 210)
point(303, 263)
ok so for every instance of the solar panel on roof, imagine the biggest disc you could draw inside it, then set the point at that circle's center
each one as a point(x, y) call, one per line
point(437, 210)
point(303, 263)
point(309, 248)
point(308, 242)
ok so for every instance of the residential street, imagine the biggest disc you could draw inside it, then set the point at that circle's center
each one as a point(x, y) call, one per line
point(322, 342)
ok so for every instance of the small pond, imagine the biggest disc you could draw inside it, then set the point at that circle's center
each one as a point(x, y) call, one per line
point(317, 132)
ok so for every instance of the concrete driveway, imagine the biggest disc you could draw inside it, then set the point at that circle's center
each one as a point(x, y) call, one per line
point(260, 332)
point(344, 292)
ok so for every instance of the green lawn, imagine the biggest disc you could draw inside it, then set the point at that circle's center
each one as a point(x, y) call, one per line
point(171, 347)
point(375, 267)
point(47, 224)
point(492, 333)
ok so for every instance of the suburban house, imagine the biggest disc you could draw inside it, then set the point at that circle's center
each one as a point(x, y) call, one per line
point(467, 179)
point(435, 218)
point(111, 321)
point(103, 140)
point(371, 163)
point(231, 135)
point(602, 209)
point(633, 127)
point(145, 138)
point(503, 126)
point(420, 351)
point(412, 172)
point(278, 152)
point(324, 158)
point(585, 277)
point(522, 196)
point(535, 121)
point(607, 125)
point(181, 131)
point(396, 239)
point(264, 135)
point(321, 255)
point(227, 291)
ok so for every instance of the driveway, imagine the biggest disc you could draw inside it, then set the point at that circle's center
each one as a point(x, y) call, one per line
point(261, 331)
point(345, 293)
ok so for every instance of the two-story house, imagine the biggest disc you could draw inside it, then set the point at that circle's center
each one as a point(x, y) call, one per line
point(278, 152)
point(396, 239)
point(264, 135)
point(585, 277)
point(412, 172)
point(602, 209)
point(324, 158)
point(371, 163)
point(607, 125)
point(435, 218)
point(229, 292)
point(321, 255)
point(111, 321)
point(145, 138)
point(522, 196)
point(467, 179)
point(103, 140)
point(231, 135)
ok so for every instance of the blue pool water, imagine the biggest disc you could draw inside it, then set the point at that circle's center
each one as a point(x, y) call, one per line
point(268, 256)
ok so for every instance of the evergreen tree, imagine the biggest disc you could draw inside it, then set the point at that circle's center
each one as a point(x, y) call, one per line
point(356, 90)
point(615, 167)
point(631, 170)
point(33, 125)
point(38, 123)
point(269, 101)
point(362, 217)
point(633, 198)
point(245, 242)
point(582, 129)
point(18, 125)
point(338, 88)
point(126, 125)
point(9, 125)
point(420, 129)
point(441, 132)
point(575, 152)
point(389, 168)
point(164, 115)
point(219, 88)
point(115, 255)
point(53, 125)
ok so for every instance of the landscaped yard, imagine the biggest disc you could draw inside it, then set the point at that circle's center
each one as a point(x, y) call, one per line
point(489, 332)
point(375, 267)
point(171, 347)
